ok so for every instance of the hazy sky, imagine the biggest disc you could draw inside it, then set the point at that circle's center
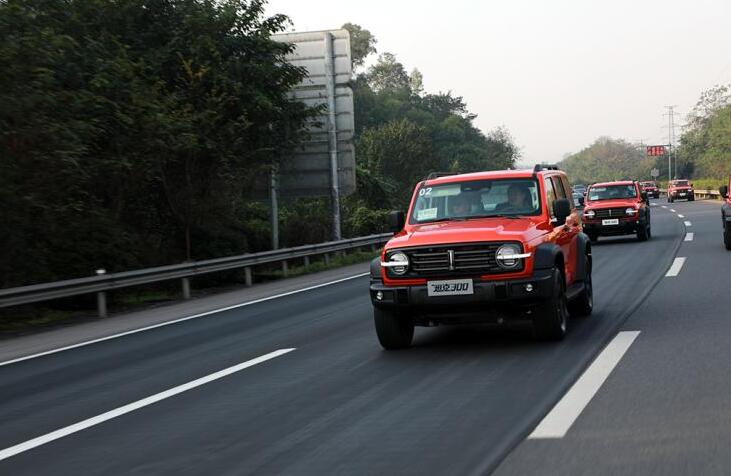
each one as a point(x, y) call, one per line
point(557, 74)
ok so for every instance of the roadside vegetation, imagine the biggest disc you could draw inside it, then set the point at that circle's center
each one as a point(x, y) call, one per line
point(132, 132)
point(703, 153)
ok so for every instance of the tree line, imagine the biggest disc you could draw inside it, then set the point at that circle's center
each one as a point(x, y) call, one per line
point(133, 131)
point(702, 154)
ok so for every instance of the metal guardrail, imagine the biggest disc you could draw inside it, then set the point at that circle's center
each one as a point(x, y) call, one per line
point(703, 194)
point(103, 282)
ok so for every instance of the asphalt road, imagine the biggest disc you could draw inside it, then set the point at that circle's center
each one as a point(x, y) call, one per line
point(461, 401)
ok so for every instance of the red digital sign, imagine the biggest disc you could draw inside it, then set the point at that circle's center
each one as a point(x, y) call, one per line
point(655, 150)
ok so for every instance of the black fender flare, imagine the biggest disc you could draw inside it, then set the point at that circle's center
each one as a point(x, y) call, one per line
point(376, 269)
point(545, 256)
point(583, 248)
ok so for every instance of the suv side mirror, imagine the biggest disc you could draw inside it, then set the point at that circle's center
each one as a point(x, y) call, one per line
point(582, 200)
point(723, 191)
point(643, 196)
point(396, 221)
point(561, 210)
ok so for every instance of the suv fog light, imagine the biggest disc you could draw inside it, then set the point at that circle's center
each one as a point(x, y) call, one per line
point(379, 295)
point(529, 287)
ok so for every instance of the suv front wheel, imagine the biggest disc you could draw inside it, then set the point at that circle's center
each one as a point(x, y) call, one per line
point(550, 319)
point(395, 330)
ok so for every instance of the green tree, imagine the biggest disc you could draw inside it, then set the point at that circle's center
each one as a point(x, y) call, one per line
point(608, 159)
point(362, 44)
point(130, 131)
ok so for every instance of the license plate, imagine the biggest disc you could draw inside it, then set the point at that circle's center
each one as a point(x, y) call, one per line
point(452, 287)
point(611, 221)
point(682, 194)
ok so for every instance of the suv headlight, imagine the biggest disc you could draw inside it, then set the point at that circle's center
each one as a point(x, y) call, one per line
point(630, 211)
point(589, 213)
point(395, 258)
point(508, 256)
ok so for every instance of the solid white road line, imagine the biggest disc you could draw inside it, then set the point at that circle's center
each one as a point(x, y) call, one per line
point(567, 410)
point(675, 267)
point(689, 236)
point(93, 421)
point(681, 216)
point(687, 223)
point(182, 319)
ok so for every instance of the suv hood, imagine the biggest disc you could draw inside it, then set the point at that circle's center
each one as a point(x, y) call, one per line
point(599, 204)
point(477, 230)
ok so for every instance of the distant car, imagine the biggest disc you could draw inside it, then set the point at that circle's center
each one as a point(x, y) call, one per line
point(579, 189)
point(616, 208)
point(578, 198)
point(680, 190)
point(653, 191)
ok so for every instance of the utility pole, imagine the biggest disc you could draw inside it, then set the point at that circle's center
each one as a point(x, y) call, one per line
point(671, 139)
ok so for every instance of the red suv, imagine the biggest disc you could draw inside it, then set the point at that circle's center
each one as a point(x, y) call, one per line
point(616, 208)
point(484, 247)
point(651, 188)
point(680, 189)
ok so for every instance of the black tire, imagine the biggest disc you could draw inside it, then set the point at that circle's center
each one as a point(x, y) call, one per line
point(583, 304)
point(670, 200)
point(394, 330)
point(643, 232)
point(691, 199)
point(727, 237)
point(550, 320)
point(593, 237)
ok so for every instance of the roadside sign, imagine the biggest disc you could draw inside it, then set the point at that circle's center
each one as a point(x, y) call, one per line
point(326, 160)
point(655, 150)
point(655, 173)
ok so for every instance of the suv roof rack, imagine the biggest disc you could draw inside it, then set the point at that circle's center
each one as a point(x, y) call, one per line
point(540, 167)
point(433, 175)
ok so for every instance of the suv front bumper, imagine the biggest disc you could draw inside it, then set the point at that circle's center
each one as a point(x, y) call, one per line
point(626, 226)
point(498, 294)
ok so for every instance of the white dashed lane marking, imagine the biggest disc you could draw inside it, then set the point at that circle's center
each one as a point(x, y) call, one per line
point(687, 223)
point(675, 268)
point(689, 236)
point(681, 216)
point(567, 410)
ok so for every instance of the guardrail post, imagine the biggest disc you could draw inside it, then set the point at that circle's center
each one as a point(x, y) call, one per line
point(327, 259)
point(307, 261)
point(247, 277)
point(285, 269)
point(186, 288)
point(101, 297)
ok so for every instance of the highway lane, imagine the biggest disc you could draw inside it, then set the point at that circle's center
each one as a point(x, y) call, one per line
point(665, 408)
point(456, 403)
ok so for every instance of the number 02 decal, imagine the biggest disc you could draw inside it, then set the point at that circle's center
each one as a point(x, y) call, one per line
point(425, 191)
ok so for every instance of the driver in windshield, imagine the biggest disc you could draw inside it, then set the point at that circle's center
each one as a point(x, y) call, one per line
point(519, 200)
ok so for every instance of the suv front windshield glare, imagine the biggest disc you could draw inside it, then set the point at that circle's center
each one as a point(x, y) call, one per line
point(680, 183)
point(476, 199)
point(612, 192)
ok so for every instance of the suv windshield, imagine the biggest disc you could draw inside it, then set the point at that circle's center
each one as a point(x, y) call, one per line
point(679, 183)
point(648, 184)
point(612, 192)
point(476, 199)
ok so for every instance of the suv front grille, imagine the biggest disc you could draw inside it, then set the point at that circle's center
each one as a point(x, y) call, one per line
point(610, 212)
point(466, 260)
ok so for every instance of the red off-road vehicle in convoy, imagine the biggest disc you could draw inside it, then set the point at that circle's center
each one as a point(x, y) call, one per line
point(726, 214)
point(616, 208)
point(653, 191)
point(484, 247)
point(680, 189)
